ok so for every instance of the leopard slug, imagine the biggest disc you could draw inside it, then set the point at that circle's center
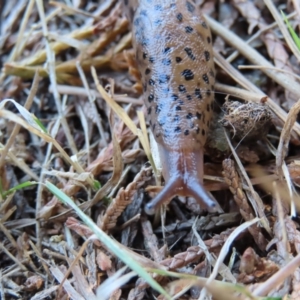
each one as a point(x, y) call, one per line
point(174, 55)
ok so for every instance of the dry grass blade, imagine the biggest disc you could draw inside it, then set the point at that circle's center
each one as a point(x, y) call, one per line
point(116, 108)
point(285, 135)
point(255, 57)
point(143, 137)
point(16, 51)
point(117, 172)
point(240, 93)
point(283, 28)
point(257, 203)
point(235, 186)
point(278, 278)
point(14, 118)
point(59, 276)
point(27, 106)
point(225, 249)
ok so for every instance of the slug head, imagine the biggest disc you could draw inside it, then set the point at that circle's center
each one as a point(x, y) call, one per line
point(183, 173)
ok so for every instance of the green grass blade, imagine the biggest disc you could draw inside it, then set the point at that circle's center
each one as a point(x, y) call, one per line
point(40, 124)
point(107, 241)
point(19, 187)
point(291, 30)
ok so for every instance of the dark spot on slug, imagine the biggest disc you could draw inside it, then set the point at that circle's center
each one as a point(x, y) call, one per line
point(188, 29)
point(198, 115)
point(178, 59)
point(205, 78)
point(145, 87)
point(162, 121)
point(151, 59)
point(208, 39)
point(149, 110)
point(166, 61)
point(189, 116)
point(158, 109)
point(197, 130)
point(147, 71)
point(181, 88)
point(212, 73)
point(204, 25)
point(190, 6)
point(188, 74)
point(167, 50)
point(186, 132)
point(198, 93)
point(145, 41)
point(144, 55)
point(168, 37)
point(166, 90)
point(174, 97)
point(177, 129)
point(150, 98)
point(189, 97)
point(144, 13)
point(176, 118)
point(178, 108)
point(203, 132)
point(157, 22)
point(207, 55)
point(136, 22)
point(151, 82)
point(189, 52)
point(179, 17)
point(208, 92)
point(163, 78)
point(167, 132)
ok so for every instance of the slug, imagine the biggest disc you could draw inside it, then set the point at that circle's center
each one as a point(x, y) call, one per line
point(173, 47)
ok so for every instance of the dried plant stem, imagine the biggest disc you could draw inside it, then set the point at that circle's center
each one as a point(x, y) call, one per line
point(255, 200)
point(278, 278)
point(257, 59)
point(17, 127)
point(254, 56)
point(279, 20)
point(235, 54)
point(123, 199)
point(232, 179)
point(286, 135)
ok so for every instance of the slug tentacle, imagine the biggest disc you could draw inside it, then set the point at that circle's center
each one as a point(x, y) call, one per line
point(183, 175)
point(166, 194)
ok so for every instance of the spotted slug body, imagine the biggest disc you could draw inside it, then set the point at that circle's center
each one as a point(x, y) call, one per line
point(174, 55)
